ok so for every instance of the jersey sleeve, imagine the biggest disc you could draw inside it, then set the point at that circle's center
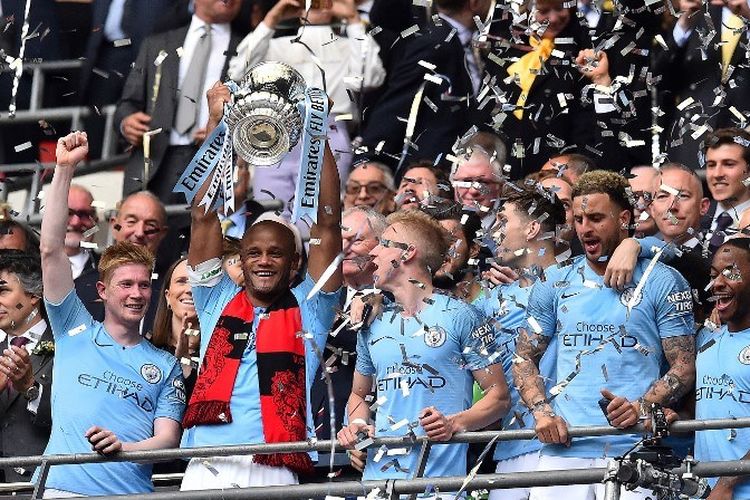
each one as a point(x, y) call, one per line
point(209, 283)
point(541, 313)
point(364, 361)
point(476, 344)
point(171, 402)
point(674, 304)
point(650, 245)
point(320, 310)
point(68, 318)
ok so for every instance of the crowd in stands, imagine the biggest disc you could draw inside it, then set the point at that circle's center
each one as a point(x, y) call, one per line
point(531, 214)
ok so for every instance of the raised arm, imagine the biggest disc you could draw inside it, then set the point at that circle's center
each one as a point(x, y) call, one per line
point(327, 232)
point(205, 230)
point(57, 276)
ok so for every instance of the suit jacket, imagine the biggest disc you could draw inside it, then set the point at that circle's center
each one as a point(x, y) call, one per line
point(144, 12)
point(435, 131)
point(86, 288)
point(687, 74)
point(138, 95)
point(547, 127)
point(22, 432)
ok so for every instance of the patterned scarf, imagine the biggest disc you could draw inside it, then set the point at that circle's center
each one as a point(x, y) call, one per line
point(281, 375)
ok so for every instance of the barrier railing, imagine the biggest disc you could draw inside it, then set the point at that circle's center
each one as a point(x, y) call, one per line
point(492, 481)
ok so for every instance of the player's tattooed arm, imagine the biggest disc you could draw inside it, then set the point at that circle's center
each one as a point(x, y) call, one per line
point(529, 350)
point(679, 380)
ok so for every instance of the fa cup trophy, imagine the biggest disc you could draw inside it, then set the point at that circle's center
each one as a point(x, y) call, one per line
point(265, 121)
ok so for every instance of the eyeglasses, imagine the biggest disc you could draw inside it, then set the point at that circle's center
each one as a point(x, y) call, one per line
point(82, 214)
point(372, 188)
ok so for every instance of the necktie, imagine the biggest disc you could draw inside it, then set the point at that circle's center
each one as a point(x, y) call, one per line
point(192, 86)
point(527, 68)
point(19, 341)
point(722, 223)
point(730, 36)
point(473, 65)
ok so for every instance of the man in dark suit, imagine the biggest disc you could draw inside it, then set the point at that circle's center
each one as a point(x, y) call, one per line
point(454, 81)
point(705, 60)
point(154, 93)
point(119, 28)
point(26, 362)
point(361, 228)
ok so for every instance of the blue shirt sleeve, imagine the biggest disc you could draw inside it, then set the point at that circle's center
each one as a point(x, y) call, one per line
point(69, 317)
point(319, 311)
point(364, 361)
point(542, 309)
point(674, 304)
point(472, 326)
point(648, 243)
point(171, 403)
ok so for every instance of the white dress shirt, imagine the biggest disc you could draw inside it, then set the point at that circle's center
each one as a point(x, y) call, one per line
point(736, 213)
point(351, 61)
point(78, 263)
point(220, 36)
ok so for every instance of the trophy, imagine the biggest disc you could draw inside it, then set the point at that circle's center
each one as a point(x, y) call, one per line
point(265, 121)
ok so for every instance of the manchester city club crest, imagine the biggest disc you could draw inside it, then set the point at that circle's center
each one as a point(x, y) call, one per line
point(151, 373)
point(744, 355)
point(435, 336)
point(627, 296)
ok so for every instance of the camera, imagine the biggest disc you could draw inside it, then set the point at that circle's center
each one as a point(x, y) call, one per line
point(651, 465)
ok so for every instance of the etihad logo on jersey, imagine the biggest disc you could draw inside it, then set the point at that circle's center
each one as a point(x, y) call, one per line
point(721, 388)
point(413, 375)
point(593, 334)
point(119, 386)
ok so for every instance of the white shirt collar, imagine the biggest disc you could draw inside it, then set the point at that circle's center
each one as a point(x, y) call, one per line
point(735, 212)
point(196, 23)
point(34, 334)
point(464, 33)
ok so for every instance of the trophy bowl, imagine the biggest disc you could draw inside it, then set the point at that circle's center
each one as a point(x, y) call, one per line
point(265, 121)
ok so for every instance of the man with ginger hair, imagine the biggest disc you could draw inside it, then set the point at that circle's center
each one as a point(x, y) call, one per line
point(437, 358)
point(128, 395)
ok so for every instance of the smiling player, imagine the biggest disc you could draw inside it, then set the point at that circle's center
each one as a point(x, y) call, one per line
point(113, 391)
point(722, 384)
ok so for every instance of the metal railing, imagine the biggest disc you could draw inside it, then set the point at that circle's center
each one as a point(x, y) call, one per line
point(491, 481)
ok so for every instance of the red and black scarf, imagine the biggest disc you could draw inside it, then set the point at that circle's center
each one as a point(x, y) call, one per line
point(281, 375)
